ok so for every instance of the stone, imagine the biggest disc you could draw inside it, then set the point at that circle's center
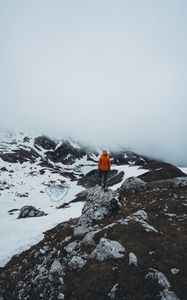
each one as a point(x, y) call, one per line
point(76, 262)
point(30, 211)
point(107, 249)
point(56, 267)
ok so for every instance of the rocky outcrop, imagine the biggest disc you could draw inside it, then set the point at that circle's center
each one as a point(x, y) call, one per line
point(20, 155)
point(160, 171)
point(45, 142)
point(91, 178)
point(133, 184)
point(30, 211)
point(66, 153)
point(98, 205)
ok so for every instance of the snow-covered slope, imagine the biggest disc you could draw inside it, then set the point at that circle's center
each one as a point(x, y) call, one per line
point(31, 173)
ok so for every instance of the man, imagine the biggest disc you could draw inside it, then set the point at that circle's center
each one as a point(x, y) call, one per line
point(103, 167)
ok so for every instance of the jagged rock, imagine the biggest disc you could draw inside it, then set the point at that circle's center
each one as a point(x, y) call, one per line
point(76, 263)
point(45, 142)
point(91, 178)
point(20, 155)
point(139, 217)
point(154, 274)
point(30, 211)
point(80, 196)
point(56, 268)
point(65, 153)
point(133, 184)
point(98, 205)
point(107, 249)
point(71, 247)
point(89, 238)
point(26, 139)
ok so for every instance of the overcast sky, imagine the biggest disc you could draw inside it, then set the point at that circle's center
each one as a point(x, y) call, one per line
point(106, 72)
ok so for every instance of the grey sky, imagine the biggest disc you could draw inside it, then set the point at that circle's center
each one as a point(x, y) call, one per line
point(107, 72)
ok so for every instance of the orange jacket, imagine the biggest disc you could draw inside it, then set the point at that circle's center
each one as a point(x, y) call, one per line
point(104, 162)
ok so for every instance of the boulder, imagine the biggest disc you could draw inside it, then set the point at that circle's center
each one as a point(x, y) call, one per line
point(133, 184)
point(76, 263)
point(56, 268)
point(107, 249)
point(30, 211)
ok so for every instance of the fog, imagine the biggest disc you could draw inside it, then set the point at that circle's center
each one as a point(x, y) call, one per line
point(110, 73)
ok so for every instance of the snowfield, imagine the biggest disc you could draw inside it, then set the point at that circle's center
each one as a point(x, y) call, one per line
point(19, 234)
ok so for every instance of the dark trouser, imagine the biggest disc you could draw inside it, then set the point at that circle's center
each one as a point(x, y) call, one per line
point(102, 175)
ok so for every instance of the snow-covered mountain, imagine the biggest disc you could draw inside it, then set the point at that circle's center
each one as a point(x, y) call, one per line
point(56, 182)
point(44, 173)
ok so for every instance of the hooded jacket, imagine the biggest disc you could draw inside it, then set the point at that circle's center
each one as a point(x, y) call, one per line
point(104, 162)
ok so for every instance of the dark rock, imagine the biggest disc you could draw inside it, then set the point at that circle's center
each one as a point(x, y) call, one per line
point(66, 153)
point(115, 179)
point(64, 205)
point(20, 155)
point(160, 171)
point(114, 208)
point(126, 157)
point(80, 196)
point(22, 195)
point(26, 139)
point(91, 178)
point(42, 171)
point(133, 184)
point(45, 142)
point(3, 169)
point(13, 210)
point(30, 211)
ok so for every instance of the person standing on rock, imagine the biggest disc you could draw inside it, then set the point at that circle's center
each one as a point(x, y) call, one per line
point(103, 167)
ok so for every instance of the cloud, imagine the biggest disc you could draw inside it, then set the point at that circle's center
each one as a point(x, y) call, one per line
point(105, 73)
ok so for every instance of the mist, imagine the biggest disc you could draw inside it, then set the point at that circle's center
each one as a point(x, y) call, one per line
point(109, 73)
